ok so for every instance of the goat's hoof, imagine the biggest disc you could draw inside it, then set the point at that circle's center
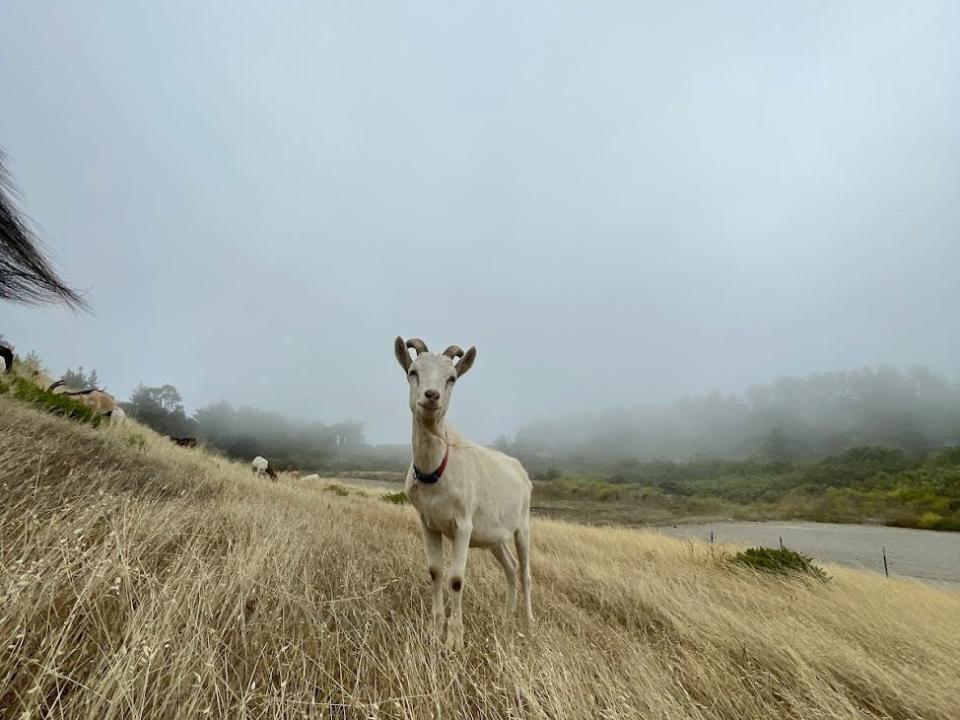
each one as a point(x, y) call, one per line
point(455, 641)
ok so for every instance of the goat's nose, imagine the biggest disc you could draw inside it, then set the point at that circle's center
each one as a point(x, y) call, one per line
point(433, 395)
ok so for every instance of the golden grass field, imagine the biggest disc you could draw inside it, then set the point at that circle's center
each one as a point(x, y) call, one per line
point(143, 580)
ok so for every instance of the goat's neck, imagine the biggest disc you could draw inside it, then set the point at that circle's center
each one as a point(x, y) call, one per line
point(429, 443)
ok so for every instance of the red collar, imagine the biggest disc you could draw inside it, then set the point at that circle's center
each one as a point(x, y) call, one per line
point(431, 478)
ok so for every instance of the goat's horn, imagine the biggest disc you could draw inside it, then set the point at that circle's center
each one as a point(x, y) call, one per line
point(454, 351)
point(417, 344)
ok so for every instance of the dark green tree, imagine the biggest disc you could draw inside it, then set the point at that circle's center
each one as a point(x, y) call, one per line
point(161, 408)
point(79, 380)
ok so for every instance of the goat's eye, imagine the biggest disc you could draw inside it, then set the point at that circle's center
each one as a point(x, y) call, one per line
point(452, 379)
point(413, 374)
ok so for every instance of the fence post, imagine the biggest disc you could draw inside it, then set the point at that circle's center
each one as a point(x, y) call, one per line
point(711, 537)
point(886, 570)
point(781, 543)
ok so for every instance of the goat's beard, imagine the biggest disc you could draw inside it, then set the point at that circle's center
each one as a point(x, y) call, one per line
point(430, 420)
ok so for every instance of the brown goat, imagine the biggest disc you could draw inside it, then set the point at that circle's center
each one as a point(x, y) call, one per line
point(100, 401)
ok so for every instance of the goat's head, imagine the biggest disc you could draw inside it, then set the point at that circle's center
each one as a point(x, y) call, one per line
point(432, 375)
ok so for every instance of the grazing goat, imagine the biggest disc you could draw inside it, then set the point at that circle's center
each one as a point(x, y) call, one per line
point(6, 357)
point(472, 495)
point(118, 416)
point(99, 401)
point(311, 478)
point(261, 466)
point(187, 442)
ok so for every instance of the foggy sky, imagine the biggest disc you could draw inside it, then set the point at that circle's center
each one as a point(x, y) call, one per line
point(615, 202)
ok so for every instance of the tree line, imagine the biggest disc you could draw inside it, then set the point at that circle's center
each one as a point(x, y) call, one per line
point(790, 419)
point(245, 432)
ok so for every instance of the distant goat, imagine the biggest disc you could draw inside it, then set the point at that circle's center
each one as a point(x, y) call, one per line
point(188, 442)
point(475, 496)
point(6, 358)
point(100, 401)
point(311, 478)
point(118, 416)
point(261, 466)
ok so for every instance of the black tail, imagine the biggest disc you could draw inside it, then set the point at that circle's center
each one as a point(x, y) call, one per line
point(26, 275)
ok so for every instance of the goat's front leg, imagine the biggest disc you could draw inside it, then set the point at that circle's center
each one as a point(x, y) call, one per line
point(458, 572)
point(433, 545)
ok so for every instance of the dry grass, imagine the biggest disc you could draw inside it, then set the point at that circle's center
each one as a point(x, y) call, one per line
point(144, 580)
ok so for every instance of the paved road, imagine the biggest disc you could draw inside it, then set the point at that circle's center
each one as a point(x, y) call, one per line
point(923, 554)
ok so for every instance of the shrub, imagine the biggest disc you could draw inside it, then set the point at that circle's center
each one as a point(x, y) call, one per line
point(396, 498)
point(929, 520)
point(783, 561)
point(338, 489)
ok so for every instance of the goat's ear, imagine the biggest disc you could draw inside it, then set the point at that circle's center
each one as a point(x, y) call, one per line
point(466, 362)
point(403, 355)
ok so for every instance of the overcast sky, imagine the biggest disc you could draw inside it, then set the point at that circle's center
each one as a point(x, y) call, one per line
point(615, 202)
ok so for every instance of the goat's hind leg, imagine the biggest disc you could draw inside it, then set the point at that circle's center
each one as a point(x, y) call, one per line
point(509, 564)
point(433, 546)
point(522, 539)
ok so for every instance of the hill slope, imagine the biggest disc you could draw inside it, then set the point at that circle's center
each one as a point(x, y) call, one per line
point(144, 580)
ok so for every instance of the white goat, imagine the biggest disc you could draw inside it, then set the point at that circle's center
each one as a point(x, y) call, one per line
point(117, 416)
point(261, 467)
point(472, 495)
point(311, 478)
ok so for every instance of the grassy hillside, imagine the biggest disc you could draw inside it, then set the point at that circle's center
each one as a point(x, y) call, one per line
point(140, 579)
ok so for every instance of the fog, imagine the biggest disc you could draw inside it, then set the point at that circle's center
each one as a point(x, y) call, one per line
point(616, 203)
